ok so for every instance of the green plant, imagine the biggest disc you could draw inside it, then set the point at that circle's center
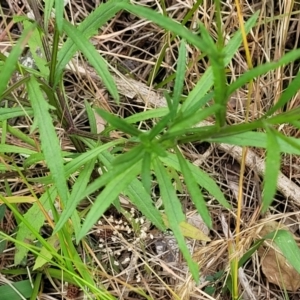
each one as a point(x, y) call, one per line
point(149, 153)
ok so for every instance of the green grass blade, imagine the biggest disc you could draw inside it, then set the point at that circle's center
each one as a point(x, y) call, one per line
point(59, 14)
point(287, 145)
point(49, 139)
point(107, 196)
point(133, 155)
point(15, 290)
point(12, 60)
point(13, 112)
point(289, 248)
point(47, 12)
point(93, 56)
point(16, 149)
point(91, 117)
point(163, 22)
point(80, 184)
point(263, 69)
point(159, 127)
point(201, 177)
point(174, 213)
point(193, 119)
point(118, 122)
point(146, 172)
point(194, 189)
point(36, 46)
point(135, 191)
point(88, 27)
point(180, 76)
point(206, 81)
point(143, 202)
point(272, 169)
point(36, 218)
point(83, 158)
point(289, 92)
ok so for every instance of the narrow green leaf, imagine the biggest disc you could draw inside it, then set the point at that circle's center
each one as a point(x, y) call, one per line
point(93, 56)
point(91, 117)
point(47, 12)
point(16, 149)
point(83, 158)
point(13, 291)
point(194, 190)
point(206, 81)
point(159, 127)
point(218, 69)
point(289, 248)
point(201, 177)
point(49, 140)
point(148, 114)
point(80, 184)
point(36, 218)
point(288, 93)
point(195, 118)
point(59, 14)
point(13, 112)
point(135, 190)
point(141, 199)
point(146, 172)
point(89, 26)
point(133, 155)
point(11, 61)
point(287, 145)
point(262, 69)
point(107, 196)
point(180, 76)
point(118, 122)
point(36, 50)
point(272, 169)
point(174, 213)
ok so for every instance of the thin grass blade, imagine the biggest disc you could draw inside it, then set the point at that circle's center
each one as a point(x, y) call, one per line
point(174, 213)
point(88, 27)
point(107, 196)
point(272, 169)
point(49, 140)
point(94, 58)
point(118, 122)
point(179, 79)
point(12, 60)
point(201, 177)
point(194, 190)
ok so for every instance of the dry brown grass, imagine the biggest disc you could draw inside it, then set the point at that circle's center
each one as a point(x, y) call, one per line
point(121, 259)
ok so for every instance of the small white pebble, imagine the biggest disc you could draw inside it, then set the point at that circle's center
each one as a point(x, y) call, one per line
point(116, 263)
point(125, 261)
point(99, 222)
point(142, 221)
point(113, 238)
point(101, 240)
point(143, 234)
point(101, 245)
point(151, 236)
point(115, 232)
point(117, 226)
